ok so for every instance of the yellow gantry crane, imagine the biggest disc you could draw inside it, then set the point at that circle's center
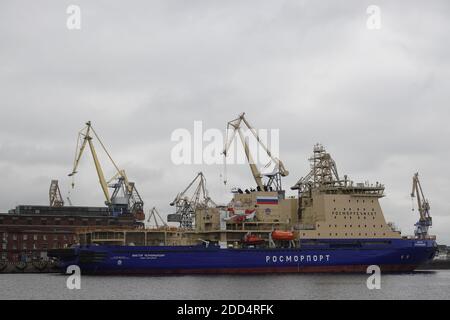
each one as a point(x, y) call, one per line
point(423, 206)
point(274, 178)
point(125, 196)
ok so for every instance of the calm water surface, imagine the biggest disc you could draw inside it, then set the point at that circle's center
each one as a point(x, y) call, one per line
point(418, 285)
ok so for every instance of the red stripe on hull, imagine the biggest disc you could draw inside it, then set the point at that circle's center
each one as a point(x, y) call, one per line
point(265, 270)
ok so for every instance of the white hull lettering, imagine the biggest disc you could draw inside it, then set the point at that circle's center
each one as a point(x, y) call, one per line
point(298, 258)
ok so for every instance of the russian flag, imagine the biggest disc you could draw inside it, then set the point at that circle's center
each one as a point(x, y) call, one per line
point(267, 200)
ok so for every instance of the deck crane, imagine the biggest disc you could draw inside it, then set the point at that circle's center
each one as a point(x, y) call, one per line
point(423, 206)
point(155, 216)
point(125, 197)
point(186, 206)
point(274, 178)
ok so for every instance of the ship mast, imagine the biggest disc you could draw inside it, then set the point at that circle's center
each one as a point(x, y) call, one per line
point(323, 172)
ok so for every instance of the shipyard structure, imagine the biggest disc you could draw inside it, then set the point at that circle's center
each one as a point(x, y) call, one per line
point(27, 232)
point(332, 225)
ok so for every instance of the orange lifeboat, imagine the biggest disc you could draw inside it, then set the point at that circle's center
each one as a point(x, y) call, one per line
point(282, 235)
point(252, 239)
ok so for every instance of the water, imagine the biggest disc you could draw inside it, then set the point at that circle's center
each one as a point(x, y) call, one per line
point(418, 285)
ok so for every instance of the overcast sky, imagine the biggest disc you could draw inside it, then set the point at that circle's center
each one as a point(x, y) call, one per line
point(377, 99)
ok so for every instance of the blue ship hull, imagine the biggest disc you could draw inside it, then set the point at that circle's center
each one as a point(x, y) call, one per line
point(391, 255)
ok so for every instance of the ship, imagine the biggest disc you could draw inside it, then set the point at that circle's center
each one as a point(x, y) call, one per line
point(333, 225)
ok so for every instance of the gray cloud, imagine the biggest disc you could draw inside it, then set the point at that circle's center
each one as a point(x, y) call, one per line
point(376, 99)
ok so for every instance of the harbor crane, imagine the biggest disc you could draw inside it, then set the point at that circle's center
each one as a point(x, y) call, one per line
point(155, 216)
point(54, 194)
point(125, 198)
point(186, 206)
point(423, 206)
point(274, 178)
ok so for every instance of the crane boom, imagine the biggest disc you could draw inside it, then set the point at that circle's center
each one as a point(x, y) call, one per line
point(86, 138)
point(254, 169)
